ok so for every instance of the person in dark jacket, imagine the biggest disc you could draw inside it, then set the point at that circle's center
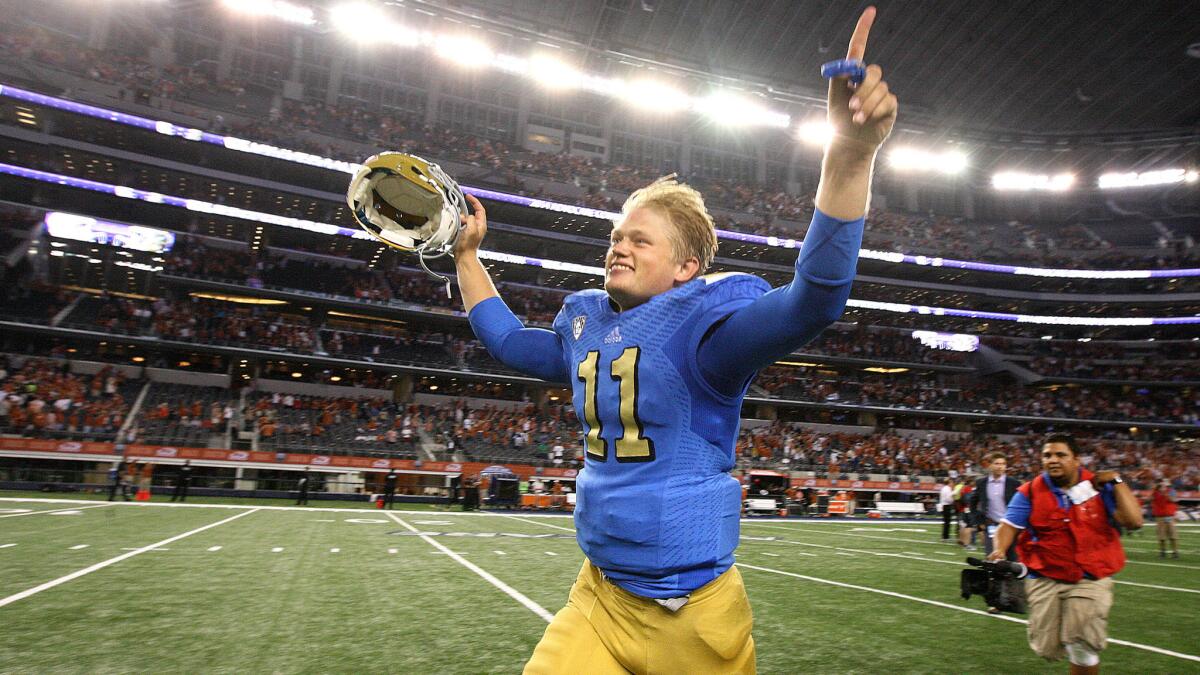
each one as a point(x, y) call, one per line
point(302, 485)
point(389, 489)
point(116, 478)
point(183, 481)
point(990, 498)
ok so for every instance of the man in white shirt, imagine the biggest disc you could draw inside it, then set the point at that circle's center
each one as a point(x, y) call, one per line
point(946, 506)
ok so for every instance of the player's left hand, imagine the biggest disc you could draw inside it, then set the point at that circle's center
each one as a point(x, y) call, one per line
point(862, 116)
point(1102, 477)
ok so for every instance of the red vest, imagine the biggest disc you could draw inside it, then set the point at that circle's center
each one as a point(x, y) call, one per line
point(1161, 506)
point(1063, 544)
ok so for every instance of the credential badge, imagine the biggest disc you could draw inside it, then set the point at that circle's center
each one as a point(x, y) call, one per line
point(577, 325)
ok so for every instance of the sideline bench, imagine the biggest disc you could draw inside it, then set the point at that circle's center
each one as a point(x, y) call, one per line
point(753, 505)
point(899, 507)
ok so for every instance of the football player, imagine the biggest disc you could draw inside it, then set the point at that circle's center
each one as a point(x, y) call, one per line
point(659, 362)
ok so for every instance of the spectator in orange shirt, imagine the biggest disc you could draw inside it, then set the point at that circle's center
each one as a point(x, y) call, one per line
point(1163, 508)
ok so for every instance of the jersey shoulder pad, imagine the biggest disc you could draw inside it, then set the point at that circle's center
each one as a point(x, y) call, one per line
point(586, 297)
point(727, 286)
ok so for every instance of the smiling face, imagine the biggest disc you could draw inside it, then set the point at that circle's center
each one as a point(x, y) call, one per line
point(1060, 463)
point(642, 261)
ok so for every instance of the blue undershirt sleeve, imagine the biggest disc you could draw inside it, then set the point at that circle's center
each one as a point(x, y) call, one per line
point(785, 318)
point(534, 351)
point(1017, 514)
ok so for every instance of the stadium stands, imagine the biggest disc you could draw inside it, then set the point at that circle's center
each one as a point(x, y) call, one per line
point(261, 305)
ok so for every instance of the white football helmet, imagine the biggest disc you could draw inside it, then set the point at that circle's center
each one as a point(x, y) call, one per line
point(408, 203)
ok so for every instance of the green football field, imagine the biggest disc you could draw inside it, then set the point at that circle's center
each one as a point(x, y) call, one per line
point(92, 587)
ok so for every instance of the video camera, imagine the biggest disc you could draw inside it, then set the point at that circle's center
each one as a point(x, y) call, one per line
point(998, 581)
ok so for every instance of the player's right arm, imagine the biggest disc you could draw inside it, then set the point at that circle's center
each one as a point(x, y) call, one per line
point(474, 283)
point(533, 351)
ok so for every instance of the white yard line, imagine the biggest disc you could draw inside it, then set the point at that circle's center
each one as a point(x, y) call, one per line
point(534, 522)
point(505, 588)
point(939, 544)
point(1144, 562)
point(112, 561)
point(1161, 588)
point(213, 548)
point(907, 555)
point(935, 603)
point(76, 547)
point(852, 534)
point(75, 508)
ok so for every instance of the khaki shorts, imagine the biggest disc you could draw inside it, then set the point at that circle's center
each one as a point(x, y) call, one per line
point(1061, 614)
point(1166, 528)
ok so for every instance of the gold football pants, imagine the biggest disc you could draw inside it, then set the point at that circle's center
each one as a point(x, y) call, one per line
point(606, 629)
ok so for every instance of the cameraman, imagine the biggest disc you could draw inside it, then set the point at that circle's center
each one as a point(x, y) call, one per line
point(1067, 538)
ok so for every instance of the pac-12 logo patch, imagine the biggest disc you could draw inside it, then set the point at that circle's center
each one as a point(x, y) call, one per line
point(577, 325)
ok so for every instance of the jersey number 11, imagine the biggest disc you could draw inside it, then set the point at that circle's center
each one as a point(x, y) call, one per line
point(631, 445)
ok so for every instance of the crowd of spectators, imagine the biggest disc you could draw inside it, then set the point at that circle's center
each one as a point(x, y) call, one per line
point(797, 447)
point(487, 433)
point(760, 209)
point(469, 430)
point(937, 391)
point(1084, 368)
point(216, 322)
point(454, 430)
point(43, 397)
point(314, 421)
point(1172, 361)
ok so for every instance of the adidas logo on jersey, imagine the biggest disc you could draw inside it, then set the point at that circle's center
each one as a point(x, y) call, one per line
point(614, 336)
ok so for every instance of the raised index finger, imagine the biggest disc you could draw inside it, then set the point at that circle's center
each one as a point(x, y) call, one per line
point(858, 41)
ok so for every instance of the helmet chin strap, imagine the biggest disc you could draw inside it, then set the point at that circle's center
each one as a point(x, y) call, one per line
point(440, 277)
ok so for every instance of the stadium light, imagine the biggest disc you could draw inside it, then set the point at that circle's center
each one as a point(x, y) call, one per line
point(655, 96)
point(1110, 181)
point(368, 24)
point(273, 8)
point(365, 23)
point(817, 132)
point(949, 162)
point(464, 51)
point(731, 109)
point(554, 73)
point(1025, 182)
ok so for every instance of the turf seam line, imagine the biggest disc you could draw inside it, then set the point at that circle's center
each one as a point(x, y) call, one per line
point(112, 561)
point(902, 596)
point(73, 508)
point(505, 588)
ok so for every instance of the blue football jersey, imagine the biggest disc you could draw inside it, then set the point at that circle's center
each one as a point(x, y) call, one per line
point(657, 510)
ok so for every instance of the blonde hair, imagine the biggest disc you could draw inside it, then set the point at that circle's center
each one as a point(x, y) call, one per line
point(694, 234)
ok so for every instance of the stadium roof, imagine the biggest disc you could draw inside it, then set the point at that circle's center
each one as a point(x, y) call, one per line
point(1033, 66)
